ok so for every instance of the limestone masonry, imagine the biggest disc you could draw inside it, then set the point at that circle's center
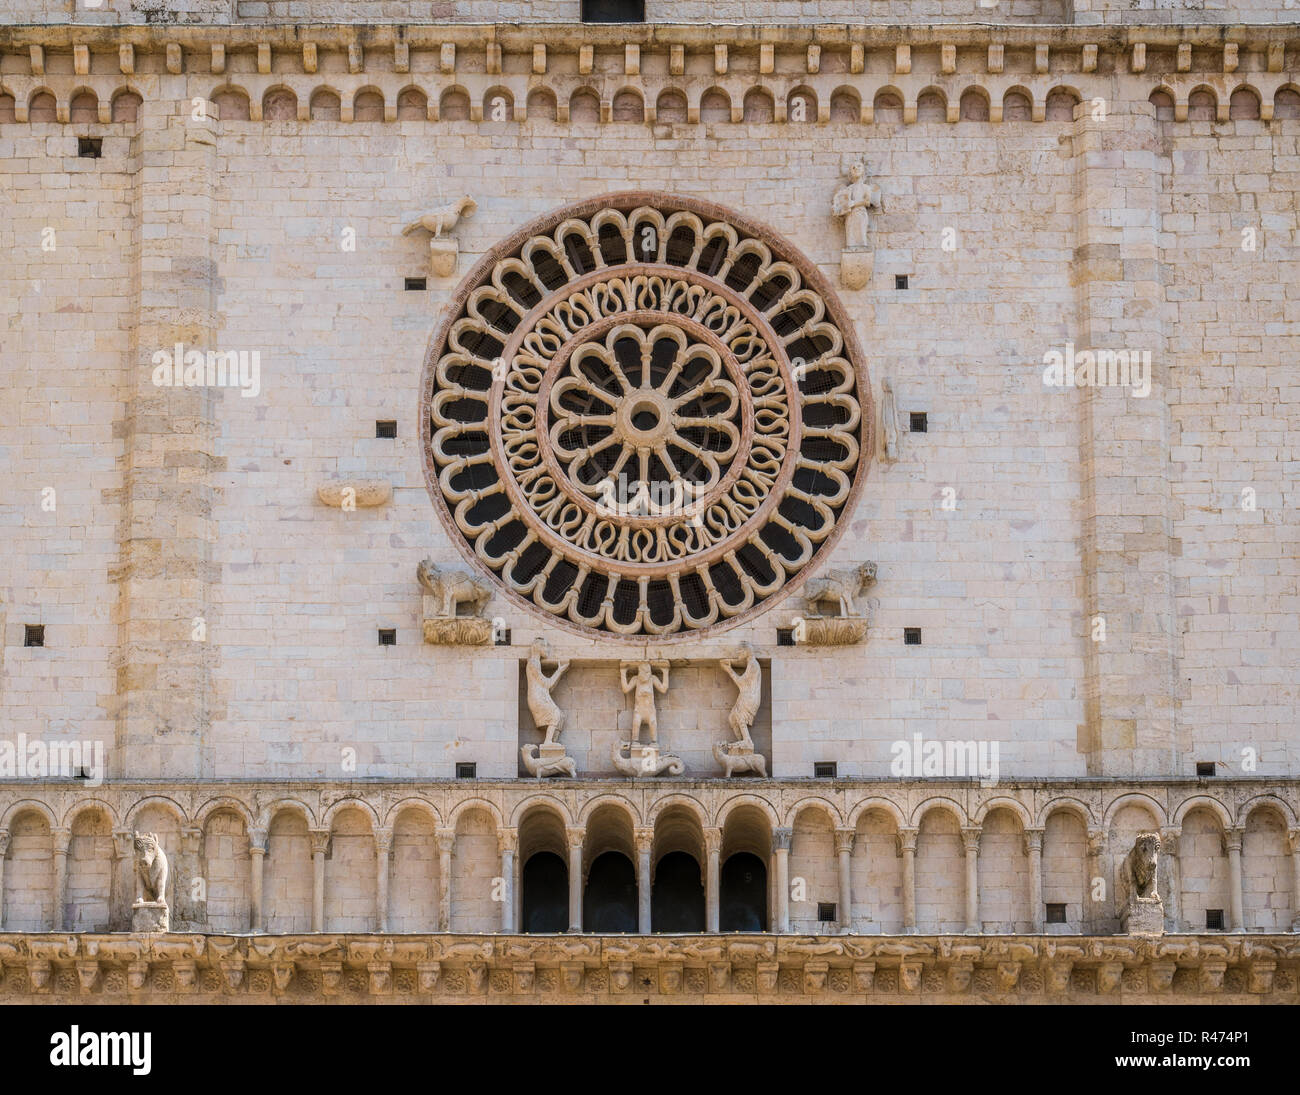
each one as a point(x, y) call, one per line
point(790, 501)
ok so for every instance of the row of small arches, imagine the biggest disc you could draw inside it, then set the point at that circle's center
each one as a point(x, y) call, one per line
point(612, 854)
point(759, 105)
point(1098, 817)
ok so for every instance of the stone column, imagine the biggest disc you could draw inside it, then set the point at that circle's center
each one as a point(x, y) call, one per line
point(446, 839)
point(1034, 847)
point(507, 839)
point(164, 700)
point(1232, 838)
point(907, 849)
point(518, 891)
point(59, 839)
point(970, 838)
point(645, 839)
point(712, 879)
point(575, 837)
point(1128, 542)
point(4, 851)
point(188, 865)
point(1096, 908)
point(844, 851)
point(320, 842)
point(256, 880)
point(781, 840)
point(1295, 876)
point(383, 848)
point(1169, 851)
point(122, 884)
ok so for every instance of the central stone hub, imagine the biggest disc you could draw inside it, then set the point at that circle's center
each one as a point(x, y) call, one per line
point(645, 419)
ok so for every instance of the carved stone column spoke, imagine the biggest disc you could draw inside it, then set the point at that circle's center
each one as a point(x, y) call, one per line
point(844, 853)
point(1034, 847)
point(645, 839)
point(970, 839)
point(781, 840)
point(256, 880)
point(320, 842)
point(575, 837)
point(907, 849)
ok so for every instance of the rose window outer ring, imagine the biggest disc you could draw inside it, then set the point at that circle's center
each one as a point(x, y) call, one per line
point(699, 583)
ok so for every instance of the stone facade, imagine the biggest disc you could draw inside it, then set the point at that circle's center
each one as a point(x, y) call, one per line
point(1103, 580)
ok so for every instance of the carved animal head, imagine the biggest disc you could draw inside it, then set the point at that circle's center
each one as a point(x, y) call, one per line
point(427, 573)
point(866, 574)
point(146, 845)
point(1143, 860)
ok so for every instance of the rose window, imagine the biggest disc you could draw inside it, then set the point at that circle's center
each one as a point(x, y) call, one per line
point(644, 419)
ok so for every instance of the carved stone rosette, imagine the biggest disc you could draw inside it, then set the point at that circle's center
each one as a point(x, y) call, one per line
point(646, 416)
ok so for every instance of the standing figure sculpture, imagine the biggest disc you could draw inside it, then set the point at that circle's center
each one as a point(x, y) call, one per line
point(547, 759)
point(888, 418)
point(749, 684)
point(739, 756)
point(545, 711)
point(855, 202)
point(643, 687)
point(645, 680)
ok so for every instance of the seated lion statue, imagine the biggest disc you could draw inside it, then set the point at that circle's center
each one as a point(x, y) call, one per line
point(150, 867)
point(1137, 873)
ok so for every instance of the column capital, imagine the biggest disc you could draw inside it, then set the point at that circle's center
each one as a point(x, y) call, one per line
point(1293, 834)
point(1098, 841)
point(446, 839)
point(782, 838)
point(844, 840)
point(507, 840)
point(191, 839)
point(645, 839)
point(122, 841)
point(970, 838)
point(1033, 840)
point(1169, 837)
point(907, 839)
point(383, 841)
point(320, 840)
point(1232, 838)
point(4, 842)
point(60, 837)
point(713, 841)
point(257, 841)
point(574, 837)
